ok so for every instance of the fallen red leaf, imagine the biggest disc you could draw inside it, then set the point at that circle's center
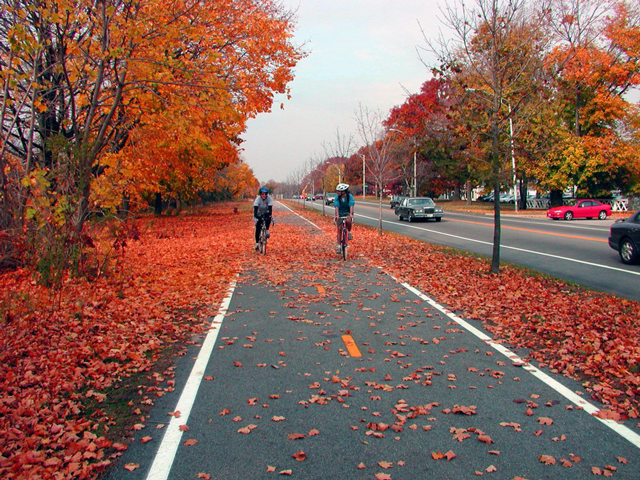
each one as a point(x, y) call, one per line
point(300, 456)
point(547, 459)
point(383, 476)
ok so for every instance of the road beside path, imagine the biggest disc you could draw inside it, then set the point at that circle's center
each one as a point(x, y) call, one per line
point(330, 369)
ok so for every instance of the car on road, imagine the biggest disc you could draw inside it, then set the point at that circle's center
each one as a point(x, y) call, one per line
point(414, 208)
point(396, 200)
point(329, 199)
point(580, 209)
point(624, 237)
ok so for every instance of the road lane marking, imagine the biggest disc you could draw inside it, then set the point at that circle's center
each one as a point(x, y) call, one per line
point(577, 237)
point(352, 348)
point(573, 397)
point(511, 248)
point(296, 213)
point(165, 455)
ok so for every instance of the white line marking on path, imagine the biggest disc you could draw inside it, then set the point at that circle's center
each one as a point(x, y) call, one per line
point(621, 430)
point(171, 441)
point(296, 213)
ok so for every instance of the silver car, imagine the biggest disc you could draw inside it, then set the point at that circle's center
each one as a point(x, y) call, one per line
point(414, 208)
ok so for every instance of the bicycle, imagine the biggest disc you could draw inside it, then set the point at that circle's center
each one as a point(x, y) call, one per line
point(262, 239)
point(344, 236)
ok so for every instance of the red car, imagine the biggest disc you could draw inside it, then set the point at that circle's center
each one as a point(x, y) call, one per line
point(580, 209)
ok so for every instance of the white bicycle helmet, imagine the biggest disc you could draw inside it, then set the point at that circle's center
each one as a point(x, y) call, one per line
point(342, 187)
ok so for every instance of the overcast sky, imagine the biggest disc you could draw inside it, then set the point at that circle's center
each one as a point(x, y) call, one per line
point(360, 51)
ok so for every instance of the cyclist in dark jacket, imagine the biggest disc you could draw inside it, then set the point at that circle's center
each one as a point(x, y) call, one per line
point(344, 203)
point(262, 210)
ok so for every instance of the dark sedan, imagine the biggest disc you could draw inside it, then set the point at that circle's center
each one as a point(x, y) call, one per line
point(625, 238)
point(413, 208)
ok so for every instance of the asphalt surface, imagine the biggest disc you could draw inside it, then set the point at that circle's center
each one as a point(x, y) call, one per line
point(575, 251)
point(283, 392)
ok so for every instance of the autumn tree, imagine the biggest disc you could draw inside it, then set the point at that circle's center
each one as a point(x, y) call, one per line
point(489, 57)
point(430, 125)
point(151, 96)
point(339, 150)
point(595, 63)
point(378, 141)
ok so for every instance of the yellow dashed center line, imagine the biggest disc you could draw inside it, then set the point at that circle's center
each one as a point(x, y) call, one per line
point(352, 348)
point(578, 237)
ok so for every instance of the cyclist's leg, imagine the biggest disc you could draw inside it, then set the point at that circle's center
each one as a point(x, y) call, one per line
point(258, 227)
point(268, 224)
point(349, 223)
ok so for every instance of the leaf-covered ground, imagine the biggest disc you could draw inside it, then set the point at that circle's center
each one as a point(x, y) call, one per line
point(62, 354)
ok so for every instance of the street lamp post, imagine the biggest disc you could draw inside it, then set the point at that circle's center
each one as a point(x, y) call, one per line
point(511, 143)
point(513, 161)
point(415, 170)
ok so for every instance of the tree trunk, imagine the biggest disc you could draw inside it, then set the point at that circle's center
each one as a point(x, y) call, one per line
point(158, 204)
point(495, 257)
point(523, 194)
point(380, 210)
point(555, 198)
point(123, 210)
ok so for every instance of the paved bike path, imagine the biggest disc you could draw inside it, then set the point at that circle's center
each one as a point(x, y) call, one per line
point(284, 395)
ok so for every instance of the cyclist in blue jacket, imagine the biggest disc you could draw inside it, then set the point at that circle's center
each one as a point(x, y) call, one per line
point(262, 210)
point(344, 203)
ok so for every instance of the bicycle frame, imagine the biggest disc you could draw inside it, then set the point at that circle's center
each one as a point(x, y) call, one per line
point(344, 237)
point(262, 242)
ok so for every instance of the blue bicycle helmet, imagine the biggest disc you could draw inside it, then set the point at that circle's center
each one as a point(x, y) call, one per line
point(263, 190)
